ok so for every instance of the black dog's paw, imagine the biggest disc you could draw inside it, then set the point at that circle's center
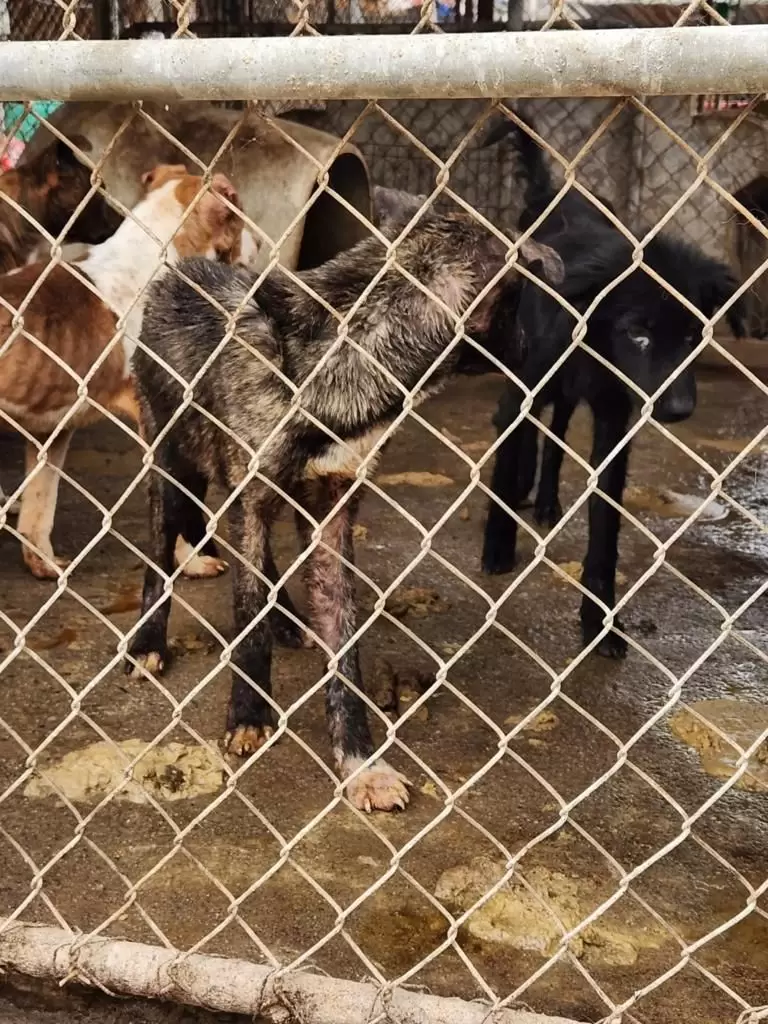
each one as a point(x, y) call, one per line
point(147, 653)
point(498, 559)
point(243, 740)
point(286, 633)
point(611, 646)
point(547, 514)
point(250, 724)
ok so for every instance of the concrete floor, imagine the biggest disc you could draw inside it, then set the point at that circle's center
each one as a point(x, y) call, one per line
point(683, 896)
point(25, 1002)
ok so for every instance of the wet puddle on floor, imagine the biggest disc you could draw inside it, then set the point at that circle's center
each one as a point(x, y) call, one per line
point(705, 725)
point(169, 772)
point(728, 445)
point(739, 532)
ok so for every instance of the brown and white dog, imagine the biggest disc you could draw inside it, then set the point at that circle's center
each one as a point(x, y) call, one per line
point(50, 188)
point(39, 383)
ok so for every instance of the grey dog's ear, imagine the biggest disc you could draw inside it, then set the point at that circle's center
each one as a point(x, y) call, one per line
point(393, 207)
point(544, 261)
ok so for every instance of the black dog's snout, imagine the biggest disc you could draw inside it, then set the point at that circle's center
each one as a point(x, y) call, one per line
point(674, 408)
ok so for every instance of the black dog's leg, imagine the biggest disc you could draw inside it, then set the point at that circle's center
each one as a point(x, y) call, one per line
point(527, 460)
point(547, 510)
point(599, 574)
point(514, 472)
point(331, 593)
point(250, 721)
point(167, 510)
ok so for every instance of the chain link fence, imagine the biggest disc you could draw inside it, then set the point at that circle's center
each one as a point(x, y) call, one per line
point(584, 836)
point(638, 167)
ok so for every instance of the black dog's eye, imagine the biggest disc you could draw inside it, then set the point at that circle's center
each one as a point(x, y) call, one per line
point(642, 341)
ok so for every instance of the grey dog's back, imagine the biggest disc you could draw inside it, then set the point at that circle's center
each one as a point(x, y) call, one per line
point(280, 333)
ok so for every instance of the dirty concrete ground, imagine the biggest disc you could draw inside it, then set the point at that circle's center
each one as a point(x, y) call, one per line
point(508, 804)
point(27, 1001)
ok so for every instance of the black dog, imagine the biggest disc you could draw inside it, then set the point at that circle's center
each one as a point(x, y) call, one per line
point(309, 447)
point(638, 327)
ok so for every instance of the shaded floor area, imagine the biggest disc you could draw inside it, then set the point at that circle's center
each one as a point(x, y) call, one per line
point(237, 870)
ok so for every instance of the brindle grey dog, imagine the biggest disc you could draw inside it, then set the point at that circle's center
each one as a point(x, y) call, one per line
point(393, 208)
point(401, 335)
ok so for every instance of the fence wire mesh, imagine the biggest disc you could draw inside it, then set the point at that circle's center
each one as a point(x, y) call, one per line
point(584, 835)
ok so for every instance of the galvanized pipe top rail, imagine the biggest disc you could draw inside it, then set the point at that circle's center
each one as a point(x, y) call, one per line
point(605, 62)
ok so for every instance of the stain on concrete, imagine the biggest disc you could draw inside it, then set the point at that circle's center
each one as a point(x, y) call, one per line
point(126, 599)
point(729, 445)
point(169, 772)
point(576, 569)
point(707, 724)
point(414, 479)
point(534, 917)
point(545, 721)
point(419, 601)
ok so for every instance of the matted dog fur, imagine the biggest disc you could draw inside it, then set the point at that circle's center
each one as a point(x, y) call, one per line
point(402, 342)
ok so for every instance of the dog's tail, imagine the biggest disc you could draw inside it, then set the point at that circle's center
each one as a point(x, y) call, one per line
point(533, 172)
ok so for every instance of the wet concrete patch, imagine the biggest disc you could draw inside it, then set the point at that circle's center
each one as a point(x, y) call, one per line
point(168, 772)
point(724, 443)
point(707, 728)
point(673, 505)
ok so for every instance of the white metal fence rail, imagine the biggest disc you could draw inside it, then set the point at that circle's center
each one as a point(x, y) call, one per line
point(632, 63)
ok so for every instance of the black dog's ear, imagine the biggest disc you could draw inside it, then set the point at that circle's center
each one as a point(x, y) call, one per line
point(503, 128)
point(499, 131)
point(716, 291)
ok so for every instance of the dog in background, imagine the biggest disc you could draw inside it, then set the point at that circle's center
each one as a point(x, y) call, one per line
point(38, 383)
point(638, 327)
point(50, 188)
point(313, 455)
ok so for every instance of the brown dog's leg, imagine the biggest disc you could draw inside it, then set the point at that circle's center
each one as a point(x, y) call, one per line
point(38, 508)
point(331, 593)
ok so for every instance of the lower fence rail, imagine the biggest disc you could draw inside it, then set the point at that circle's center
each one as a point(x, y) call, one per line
point(230, 985)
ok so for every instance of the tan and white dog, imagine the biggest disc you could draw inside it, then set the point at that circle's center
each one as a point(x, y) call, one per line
point(39, 383)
